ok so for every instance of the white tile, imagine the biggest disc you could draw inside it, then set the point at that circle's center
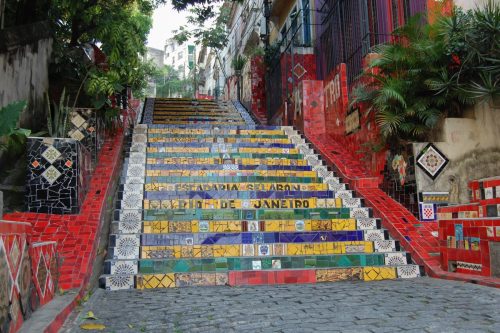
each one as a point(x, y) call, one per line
point(360, 213)
point(366, 224)
point(374, 235)
point(408, 271)
point(384, 245)
point(128, 267)
point(395, 259)
point(119, 282)
point(127, 247)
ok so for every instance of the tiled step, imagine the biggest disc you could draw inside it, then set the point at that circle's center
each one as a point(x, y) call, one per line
point(166, 266)
point(256, 277)
point(130, 222)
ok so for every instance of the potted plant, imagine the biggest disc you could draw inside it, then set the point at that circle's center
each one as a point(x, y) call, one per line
point(59, 166)
point(238, 64)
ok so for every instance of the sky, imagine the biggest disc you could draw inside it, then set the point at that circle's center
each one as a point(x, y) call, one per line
point(165, 19)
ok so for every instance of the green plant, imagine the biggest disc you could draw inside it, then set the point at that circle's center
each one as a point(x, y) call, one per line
point(239, 62)
point(11, 136)
point(473, 41)
point(398, 86)
point(58, 116)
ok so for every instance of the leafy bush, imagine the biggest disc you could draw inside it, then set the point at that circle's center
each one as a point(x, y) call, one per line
point(11, 136)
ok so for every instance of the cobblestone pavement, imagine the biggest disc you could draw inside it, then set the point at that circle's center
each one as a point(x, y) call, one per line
point(421, 305)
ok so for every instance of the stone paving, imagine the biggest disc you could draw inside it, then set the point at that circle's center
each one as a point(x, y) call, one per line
point(417, 305)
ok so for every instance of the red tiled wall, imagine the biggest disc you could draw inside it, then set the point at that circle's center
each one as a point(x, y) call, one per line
point(336, 110)
point(77, 236)
point(310, 118)
point(258, 72)
point(482, 230)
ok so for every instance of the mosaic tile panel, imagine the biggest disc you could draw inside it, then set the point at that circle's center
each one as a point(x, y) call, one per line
point(432, 161)
point(85, 127)
point(58, 175)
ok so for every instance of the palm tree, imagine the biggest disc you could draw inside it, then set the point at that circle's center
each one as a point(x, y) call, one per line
point(399, 84)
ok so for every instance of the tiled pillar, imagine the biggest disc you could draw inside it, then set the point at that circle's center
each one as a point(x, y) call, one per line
point(309, 101)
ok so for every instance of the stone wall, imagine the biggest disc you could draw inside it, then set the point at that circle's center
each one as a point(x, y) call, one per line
point(24, 62)
point(472, 146)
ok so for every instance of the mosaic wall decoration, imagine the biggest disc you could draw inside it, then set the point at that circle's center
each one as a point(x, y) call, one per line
point(432, 161)
point(58, 175)
point(428, 212)
point(45, 266)
point(205, 205)
point(85, 127)
point(17, 300)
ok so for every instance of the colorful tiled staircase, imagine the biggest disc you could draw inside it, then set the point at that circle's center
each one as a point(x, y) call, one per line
point(209, 198)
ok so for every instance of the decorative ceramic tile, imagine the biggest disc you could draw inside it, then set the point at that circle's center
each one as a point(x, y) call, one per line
point(408, 271)
point(127, 247)
point(384, 245)
point(253, 225)
point(354, 248)
point(139, 138)
point(379, 273)
point(123, 267)
point(276, 264)
point(374, 235)
point(51, 174)
point(119, 282)
point(366, 223)
point(15, 253)
point(204, 226)
point(248, 250)
point(299, 225)
point(432, 161)
point(488, 193)
point(395, 259)
point(51, 154)
point(264, 250)
point(428, 212)
point(132, 200)
point(136, 170)
point(334, 275)
point(360, 213)
point(138, 148)
point(469, 266)
point(351, 202)
point(256, 265)
point(299, 71)
point(76, 134)
point(77, 120)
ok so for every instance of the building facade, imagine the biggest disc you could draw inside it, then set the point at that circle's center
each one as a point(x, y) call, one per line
point(180, 57)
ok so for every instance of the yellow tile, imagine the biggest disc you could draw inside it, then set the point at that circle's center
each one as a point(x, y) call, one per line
point(343, 224)
point(194, 226)
point(294, 249)
point(368, 247)
point(273, 226)
point(177, 251)
point(379, 273)
point(156, 281)
point(155, 227)
point(233, 250)
point(197, 251)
